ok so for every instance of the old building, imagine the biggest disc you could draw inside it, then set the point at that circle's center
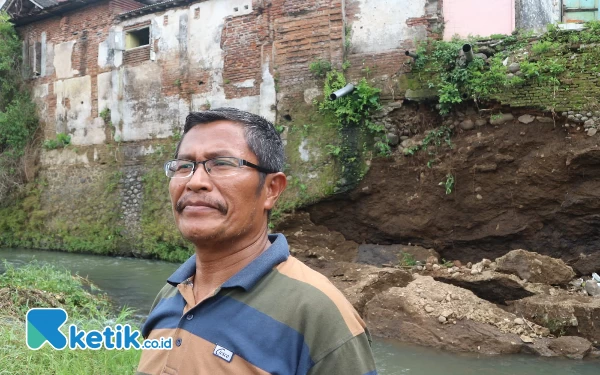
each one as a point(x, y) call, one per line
point(131, 71)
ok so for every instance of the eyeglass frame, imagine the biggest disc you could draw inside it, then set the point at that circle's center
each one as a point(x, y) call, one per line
point(241, 163)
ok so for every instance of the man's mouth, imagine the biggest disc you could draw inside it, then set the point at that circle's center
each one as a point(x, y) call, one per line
point(199, 204)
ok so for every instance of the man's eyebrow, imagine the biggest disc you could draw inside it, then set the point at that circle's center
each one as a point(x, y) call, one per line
point(208, 155)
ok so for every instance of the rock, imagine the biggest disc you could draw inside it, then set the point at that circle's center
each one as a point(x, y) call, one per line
point(488, 51)
point(501, 118)
point(514, 67)
point(311, 94)
point(562, 313)
point(592, 132)
point(535, 268)
point(393, 139)
point(584, 118)
point(495, 287)
point(510, 76)
point(477, 325)
point(544, 119)
point(526, 339)
point(467, 124)
point(481, 56)
point(432, 259)
point(570, 346)
point(526, 119)
point(588, 263)
point(378, 255)
point(360, 283)
point(592, 288)
point(519, 321)
point(457, 263)
point(480, 122)
point(429, 309)
point(593, 354)
point(442, 319)
point(436, 267)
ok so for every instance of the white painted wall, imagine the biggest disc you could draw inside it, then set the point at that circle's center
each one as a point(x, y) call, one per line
point(74, 111)
point(133, 94)
point(381, 24)
point(63, 53)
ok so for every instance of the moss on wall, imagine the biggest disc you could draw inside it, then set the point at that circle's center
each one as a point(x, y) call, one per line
point(87, 207)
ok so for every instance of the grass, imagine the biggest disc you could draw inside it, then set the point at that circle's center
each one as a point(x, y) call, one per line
point(38, 285)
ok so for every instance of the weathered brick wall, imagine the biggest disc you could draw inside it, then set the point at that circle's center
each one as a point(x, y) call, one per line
point(243, 59)
point(305, 36)
point(390, 64)
point(87, 26)
point(580, 91)
point(136, 55)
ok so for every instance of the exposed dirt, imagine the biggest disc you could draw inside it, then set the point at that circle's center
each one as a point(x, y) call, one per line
point(534, 186)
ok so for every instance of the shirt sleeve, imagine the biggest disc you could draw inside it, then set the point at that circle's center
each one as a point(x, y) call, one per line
point(354, 357)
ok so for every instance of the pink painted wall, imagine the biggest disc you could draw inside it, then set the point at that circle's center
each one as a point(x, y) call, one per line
point(478, 17)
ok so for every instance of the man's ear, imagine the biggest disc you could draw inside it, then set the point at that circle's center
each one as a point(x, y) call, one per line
point(275, 184)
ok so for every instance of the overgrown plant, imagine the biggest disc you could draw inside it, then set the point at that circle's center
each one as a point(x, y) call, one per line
point(448, 183)
point(60, 141)
point(18, 121)
point(320, 68)
point(439, 65)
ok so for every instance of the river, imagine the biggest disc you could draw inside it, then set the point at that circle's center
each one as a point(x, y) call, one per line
point(135, 282)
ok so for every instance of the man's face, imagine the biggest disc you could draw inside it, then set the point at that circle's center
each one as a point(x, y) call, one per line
point(217, 209)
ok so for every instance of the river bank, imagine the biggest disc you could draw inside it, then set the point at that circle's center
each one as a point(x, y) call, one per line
point(37, 285)
point(134, 282)
point(522, 302)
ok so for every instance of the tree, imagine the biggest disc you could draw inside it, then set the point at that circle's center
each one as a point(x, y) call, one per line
point(18, 120)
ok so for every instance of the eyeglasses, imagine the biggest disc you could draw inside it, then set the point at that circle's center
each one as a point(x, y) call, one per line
point(221, 166)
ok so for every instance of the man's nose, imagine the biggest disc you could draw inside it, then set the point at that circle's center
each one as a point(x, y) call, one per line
point(200, 180)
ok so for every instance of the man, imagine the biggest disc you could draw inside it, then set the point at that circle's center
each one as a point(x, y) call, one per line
point(242, 304)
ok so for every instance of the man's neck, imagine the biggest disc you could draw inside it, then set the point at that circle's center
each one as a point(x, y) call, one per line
point(213, 268)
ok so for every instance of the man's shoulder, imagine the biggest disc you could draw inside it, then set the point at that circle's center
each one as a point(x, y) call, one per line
point(316, 296)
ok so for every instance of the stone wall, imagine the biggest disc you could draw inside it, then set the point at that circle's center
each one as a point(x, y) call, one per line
point(578, 88)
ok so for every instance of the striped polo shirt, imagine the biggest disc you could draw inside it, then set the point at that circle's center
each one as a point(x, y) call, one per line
point(275, 316)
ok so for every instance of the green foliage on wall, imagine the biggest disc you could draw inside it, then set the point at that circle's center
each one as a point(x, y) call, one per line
point(159, 236)
point(545, 63)
point(18, 121)
point(96, 229)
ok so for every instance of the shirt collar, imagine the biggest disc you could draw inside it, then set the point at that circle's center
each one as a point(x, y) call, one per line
point(246, 278)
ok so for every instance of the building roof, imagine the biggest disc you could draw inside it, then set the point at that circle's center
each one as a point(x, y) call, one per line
point(34, 10)
point(155, 8)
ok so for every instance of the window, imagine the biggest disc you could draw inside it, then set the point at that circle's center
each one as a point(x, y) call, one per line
point(137, 38)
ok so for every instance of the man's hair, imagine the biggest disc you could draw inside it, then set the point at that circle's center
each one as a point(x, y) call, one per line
point(260, 134)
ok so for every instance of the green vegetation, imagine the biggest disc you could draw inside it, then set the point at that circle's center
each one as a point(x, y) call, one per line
point(60, 141)
point(94, 227)
point(37, 285)
point(543, 64)
point(352, 114)
point(18, 120)
point(312, 171)
point(433, 141)
point(320, 68)
point(159, 236)
point(408, 260)
point(448, 183)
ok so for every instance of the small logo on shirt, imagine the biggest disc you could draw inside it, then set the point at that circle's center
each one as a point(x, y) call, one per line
point(223, 353)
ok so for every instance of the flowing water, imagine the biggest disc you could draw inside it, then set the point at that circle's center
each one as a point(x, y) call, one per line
point(135, 282)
